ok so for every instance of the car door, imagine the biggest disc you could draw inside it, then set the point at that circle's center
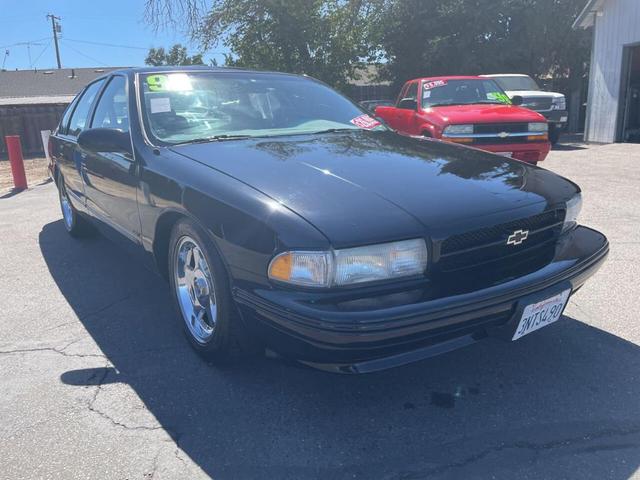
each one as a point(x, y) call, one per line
point(407, 109)
point(394, 115)
point(111, 177)
point(68, 157)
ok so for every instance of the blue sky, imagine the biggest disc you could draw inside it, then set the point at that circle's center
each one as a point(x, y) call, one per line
point(115, 22)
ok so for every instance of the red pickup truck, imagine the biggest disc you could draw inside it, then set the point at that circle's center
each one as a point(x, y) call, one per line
point(470, 110)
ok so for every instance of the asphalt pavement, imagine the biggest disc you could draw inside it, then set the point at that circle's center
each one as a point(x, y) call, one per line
point(97, 381)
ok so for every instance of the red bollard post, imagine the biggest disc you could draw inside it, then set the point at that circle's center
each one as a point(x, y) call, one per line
point(14, 148)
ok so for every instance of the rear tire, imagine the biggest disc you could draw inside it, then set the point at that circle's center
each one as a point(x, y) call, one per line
point(73, 222)
point(201, 294)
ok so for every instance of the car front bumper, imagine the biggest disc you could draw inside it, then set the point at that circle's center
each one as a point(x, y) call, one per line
point(340, 333)
point(526, 152)
point(557, 117)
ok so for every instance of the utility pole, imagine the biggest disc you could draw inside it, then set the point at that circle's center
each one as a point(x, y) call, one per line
point(56, 28)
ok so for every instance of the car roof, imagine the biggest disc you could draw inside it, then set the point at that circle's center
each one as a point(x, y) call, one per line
point(448, 77)
point(505, 75)
point(193, 68)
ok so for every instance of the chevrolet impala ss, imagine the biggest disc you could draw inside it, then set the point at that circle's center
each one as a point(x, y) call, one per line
point(288, 220)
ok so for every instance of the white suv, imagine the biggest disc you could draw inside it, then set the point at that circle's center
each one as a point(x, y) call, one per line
point(550, 104)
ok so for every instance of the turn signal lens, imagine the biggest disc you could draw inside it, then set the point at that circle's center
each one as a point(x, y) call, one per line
point(301, 268)
point(459, 140)
point(574, 205)
point(280, 267)
point(542, 136)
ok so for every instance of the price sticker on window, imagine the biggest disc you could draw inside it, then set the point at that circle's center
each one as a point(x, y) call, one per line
point(365, 121)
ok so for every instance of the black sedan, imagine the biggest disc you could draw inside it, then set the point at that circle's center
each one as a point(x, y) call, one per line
point(289, 221)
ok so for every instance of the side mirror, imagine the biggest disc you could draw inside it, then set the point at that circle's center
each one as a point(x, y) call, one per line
point(105, 140)
point(517, 100)
point(408, 103)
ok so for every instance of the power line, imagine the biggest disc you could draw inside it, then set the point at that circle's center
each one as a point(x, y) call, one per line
point(106, 44)
point(35, 62)
point(85, 55)
point(27, 41)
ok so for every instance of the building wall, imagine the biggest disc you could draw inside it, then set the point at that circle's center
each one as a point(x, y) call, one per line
point(27, 121)
point(618, 26)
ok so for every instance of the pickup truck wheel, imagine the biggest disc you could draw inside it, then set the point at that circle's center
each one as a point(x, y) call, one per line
point(202, 295)
point(554, 134)
point(74, 224)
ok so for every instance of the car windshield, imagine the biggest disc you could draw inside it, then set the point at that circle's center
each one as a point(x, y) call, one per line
point(200, 106)
point(517, 83)
point(437, 93)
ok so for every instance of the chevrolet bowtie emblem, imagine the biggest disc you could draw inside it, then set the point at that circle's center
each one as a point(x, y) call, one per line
point(517, 237)
point(503, 134)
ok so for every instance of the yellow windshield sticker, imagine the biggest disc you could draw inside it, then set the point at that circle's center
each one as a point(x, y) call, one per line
point(499, 96)
point(157, 83)
point(173, 82)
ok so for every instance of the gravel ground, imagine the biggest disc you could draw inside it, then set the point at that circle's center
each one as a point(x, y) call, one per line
point(35, 168)
point(96, 380)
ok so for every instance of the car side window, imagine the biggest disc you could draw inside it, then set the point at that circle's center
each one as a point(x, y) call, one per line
point(112, 110)
point(409, 96)
point(412, 91)
point(63, 126)
point(402, 93)
point(80, 116)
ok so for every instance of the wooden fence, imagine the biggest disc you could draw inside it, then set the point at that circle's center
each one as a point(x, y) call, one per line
point(27, 121)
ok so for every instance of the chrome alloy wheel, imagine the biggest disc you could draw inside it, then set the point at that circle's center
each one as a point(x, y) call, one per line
point(195, 290)
point(65, 206)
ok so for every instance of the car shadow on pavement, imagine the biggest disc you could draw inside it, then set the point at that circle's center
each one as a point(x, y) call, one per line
point(569, 147)
point(560, 403)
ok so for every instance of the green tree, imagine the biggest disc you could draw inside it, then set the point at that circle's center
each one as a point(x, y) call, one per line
point(431, 37)
point(329, 39)
point(177, 55)
point(325, 39)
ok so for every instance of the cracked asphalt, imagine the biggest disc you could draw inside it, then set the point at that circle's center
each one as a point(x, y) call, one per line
point(97, 381)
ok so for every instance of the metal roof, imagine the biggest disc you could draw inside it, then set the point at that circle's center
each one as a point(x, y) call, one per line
point(587, 17)
point(45, 84)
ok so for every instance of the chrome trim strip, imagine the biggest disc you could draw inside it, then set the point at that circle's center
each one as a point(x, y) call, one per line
point(494, 135)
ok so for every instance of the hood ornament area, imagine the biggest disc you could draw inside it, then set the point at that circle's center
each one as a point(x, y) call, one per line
point(517, 237)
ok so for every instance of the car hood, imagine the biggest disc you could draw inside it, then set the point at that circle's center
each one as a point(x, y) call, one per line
point(366, 187)
point(478, 113)
point(533, 93)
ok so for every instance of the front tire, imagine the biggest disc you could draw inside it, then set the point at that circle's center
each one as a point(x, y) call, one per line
point(202, 295)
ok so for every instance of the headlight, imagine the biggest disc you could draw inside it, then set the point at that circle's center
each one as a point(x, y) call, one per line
point(559, 103)
point(574, 205)
point(350, 265)
point(541, 127)
point(458, 130)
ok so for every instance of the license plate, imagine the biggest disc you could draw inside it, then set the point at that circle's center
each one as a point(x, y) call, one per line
point(541, 314)
point(505, 154)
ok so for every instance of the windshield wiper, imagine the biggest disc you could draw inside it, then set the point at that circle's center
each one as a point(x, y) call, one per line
point(334, 130)
point(214, 138)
